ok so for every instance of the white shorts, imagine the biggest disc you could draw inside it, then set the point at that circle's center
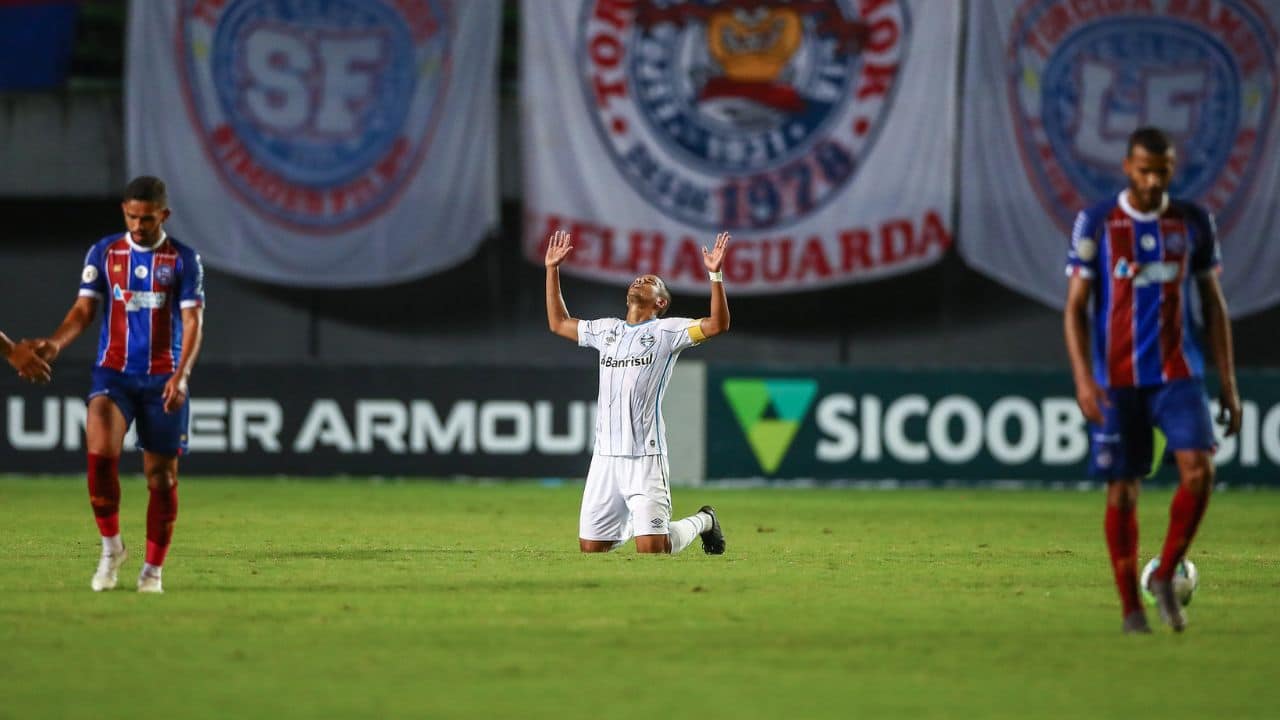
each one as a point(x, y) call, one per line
point(621, 490)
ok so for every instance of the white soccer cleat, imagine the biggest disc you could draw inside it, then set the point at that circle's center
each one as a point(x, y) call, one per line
point(107, 574)
point(149, 584)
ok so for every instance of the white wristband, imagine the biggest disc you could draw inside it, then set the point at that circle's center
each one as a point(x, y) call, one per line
point(717, 276)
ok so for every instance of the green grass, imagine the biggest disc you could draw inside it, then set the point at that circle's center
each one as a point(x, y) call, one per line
point(430, 600)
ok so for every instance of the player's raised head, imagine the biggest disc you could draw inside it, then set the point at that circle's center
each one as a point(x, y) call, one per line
point(649, 291)
point(148, 189)
point(1149, 165)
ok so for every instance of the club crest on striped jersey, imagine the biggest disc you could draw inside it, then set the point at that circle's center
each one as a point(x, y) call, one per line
point(164, 275)
point(740, 114)
point(1082, 76)
point(316, 114)
point(1175, 243)
point(647, 340)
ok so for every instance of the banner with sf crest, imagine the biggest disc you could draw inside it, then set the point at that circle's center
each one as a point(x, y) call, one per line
point(1052, 90)
point(327, 144)
point(819, 132)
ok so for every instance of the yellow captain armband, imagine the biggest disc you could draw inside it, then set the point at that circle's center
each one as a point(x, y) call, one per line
point(695, 332)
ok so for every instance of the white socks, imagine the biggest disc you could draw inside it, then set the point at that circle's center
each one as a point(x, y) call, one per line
point(683, 531)
point(112, 545)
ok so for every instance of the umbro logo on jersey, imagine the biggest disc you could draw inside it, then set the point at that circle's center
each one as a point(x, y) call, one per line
point(135, 300)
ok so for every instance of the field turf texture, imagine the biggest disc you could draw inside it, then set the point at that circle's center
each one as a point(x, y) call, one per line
point(428, 599)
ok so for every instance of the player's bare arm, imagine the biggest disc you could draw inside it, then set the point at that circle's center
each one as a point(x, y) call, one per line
point(1075, 326)
point(78, 318)
point(558, 320)
point(1219, 327)
point(713, 259)
point(175, 390)
point(22, 356)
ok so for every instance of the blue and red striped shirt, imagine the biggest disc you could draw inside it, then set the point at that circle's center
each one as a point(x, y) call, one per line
point(143, 291)
point(1141, 265)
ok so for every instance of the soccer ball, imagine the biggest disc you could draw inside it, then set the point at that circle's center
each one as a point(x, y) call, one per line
point(1185, 581)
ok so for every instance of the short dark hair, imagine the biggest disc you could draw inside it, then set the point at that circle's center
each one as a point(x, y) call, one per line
point(664, 293)
point(147, 189)
point(1151, 139)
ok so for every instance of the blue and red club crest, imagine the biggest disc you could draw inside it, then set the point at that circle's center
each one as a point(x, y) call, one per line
point(316, 113)
point(740, 114)
point(1083, 76)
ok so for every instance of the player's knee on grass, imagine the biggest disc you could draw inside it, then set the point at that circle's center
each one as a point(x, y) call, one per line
point(653, 544)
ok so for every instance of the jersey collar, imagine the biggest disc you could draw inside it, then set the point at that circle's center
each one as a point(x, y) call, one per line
point(164, 237)
point(1141, 216)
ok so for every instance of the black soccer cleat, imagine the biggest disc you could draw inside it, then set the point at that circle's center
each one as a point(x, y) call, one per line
point(1135, 623)
point(713, 539)
point(1167, 602)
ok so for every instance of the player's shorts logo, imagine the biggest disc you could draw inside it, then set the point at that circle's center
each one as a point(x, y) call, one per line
point(316, 114)
point(740, 114)
point(1081, 82)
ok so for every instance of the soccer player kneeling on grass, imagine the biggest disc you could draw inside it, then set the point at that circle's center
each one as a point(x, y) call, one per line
point(152, 290)
point(628, 491)
point(1133, 258)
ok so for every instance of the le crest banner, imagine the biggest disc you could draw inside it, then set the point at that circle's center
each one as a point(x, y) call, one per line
point(335, 144)
point(819, 133)
point(1052, 90)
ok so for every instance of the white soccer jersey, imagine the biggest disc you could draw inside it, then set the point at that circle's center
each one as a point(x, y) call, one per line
point(636, 362)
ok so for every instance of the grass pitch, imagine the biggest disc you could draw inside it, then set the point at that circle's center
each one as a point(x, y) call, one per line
point(431, 600)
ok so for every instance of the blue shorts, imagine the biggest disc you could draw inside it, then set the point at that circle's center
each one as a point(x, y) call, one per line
point(1122, 447)
point(141, 399)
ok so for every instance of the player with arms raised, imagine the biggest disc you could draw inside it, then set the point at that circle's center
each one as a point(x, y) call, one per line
point(152, 290)
point(628, 490)
point(1134, 256)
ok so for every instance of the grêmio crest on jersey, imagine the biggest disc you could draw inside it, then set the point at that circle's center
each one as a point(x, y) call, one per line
point(740, 114)
point(1083, 76)
point(316, 113)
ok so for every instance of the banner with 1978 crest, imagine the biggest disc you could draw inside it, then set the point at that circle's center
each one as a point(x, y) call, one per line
point(1053, 88)
point(820, 133)
point(336, 143)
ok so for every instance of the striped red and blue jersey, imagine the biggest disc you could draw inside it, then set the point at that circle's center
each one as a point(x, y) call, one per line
point(1141, 265)
point(143, 292)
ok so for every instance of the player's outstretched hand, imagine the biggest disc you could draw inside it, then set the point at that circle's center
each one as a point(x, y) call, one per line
point(26, 359)
point(558, 248)
point(175, 394)
point(1092, 399)
point(1229, 411)
point(714, 258)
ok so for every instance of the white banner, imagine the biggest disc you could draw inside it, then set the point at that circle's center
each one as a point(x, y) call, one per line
point(1054, 87)
point(341, 143)
point(819, 132)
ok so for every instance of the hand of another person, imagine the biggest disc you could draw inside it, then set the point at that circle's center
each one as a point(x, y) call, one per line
point(29, 363)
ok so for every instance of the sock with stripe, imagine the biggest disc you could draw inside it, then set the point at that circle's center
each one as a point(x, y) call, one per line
point(683, 531)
